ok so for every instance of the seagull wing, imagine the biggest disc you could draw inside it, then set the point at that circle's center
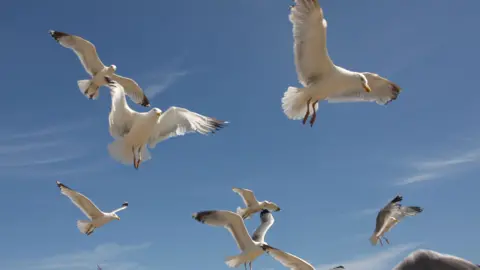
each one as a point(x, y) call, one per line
point(179, 121)
point(383, 92)
point(310, 41)
point(247, 196)
point(288, 260)
point(429, 259)
point(267, 221)
point(82, 202)
point(132, 89)
point(85, 50)
point(231, 221)
point(384, 219)
point(124, 206)
point(121, 117)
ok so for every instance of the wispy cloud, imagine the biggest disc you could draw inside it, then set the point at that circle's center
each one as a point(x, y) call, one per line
point(438, 168)
point(111, 256)
point(366, 212)
point(165, 80)
point(74, 125)
point(377, 261)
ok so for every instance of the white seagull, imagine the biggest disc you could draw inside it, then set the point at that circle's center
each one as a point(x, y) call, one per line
point(289, 260)
point(389, 216)
point(97, 217)
point(429, 259)
point(252, 205)
point(251, 247)
point(320, 77)
point(87, 53)
point(133, 130)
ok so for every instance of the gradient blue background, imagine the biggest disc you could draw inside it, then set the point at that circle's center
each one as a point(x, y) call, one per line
point(236, 60)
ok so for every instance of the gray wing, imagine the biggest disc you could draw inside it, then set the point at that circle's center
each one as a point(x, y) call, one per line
point(82, 202)
point(179, 121)
point(84, 49)
point(287, 259)
point(267, 221)
point(383, 92)
point(132, 89)
point(429, 259)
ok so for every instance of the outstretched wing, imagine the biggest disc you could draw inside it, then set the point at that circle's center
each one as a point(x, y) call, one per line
point(124, 206)
point(132, 89)
point(179, 121)
point(121, 117)
point(267, 221)
point(288, 260)
point(247, 196)
point(231, 221)
point(383, 92)
point(85, 50)
point(310, 41)
point(82, 202)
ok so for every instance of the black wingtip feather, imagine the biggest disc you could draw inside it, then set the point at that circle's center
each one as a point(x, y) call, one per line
point(397, 198)
point(416, 209)
point(57, 34)
point(125, 204)
point(217, 124)
point(200, 216)
point(60, 185)
point(145, 102)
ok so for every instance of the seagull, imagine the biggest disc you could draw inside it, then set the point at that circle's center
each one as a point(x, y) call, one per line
point(429, 259)
point(389, 216)
point(251, 247)
point(87, 53)
point(320, 77)
point(289, 260)
point(97, 217)
point(253, 206)
point(133, 130)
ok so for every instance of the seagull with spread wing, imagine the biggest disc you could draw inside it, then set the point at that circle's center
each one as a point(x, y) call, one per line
point(251, 247)
point(87, 53)
point(389, 216)
point(134, 130)
point(97, 217)
point(252, 205)
point(320, 77)
point(289, 260)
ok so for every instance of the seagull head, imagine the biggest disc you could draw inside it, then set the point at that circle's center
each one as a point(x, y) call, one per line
point(113, 67)
point(364, 82)
point(156, 111)
point(271, 206)
point(115, 216)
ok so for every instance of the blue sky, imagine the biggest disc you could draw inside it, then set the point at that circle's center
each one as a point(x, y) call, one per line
point(233, 60)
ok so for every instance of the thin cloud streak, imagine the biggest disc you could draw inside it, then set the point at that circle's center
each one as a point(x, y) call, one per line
point(112, 255)
point(378, 261)
point(419, 178)
point(13, 149)
point(47, 131)
point(166, 81)
point(43, 161)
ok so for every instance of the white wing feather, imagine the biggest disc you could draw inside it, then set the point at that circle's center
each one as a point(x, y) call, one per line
point(85, 50)
point(383, 92)
point(247, 195)
point(82, 202)
point(179, 121)
point(288, 260)
point(121, 117)
point(132, 89)
point(267, 221)
point(310, 41)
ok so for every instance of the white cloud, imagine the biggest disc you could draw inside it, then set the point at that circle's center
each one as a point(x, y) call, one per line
point(48, 130)
point(377, 261)
point(419, 177)
point(108, 256)
point(166, 80)
point(12, 149)
point(366, 212)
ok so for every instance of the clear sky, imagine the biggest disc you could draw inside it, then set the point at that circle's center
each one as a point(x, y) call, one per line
point(233, 60)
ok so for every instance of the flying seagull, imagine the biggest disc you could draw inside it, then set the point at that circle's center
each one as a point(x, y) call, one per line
point(133, 130)
point(429, 259)
point(87, 53)
point(252, 205)
point(320, 77)
point(97, 217)
point(291, 261)
point(251, 247)
point(389, 216)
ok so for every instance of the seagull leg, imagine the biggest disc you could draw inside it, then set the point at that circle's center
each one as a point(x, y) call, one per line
point(134, 158)
point(250, 264)
point(314, 116)
point(381, 243)
point(386, 240)
point(139, 157)
point(245, 264)
point(308, 111)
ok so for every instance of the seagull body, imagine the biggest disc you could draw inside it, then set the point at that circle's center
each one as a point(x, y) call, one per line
point(429, 259)
point(321, 78)
point(252, 205)
point(389, 216)
point(134, 130)
point(97, 217)
point(289, 260)
point(87, 53)
point(251, 247)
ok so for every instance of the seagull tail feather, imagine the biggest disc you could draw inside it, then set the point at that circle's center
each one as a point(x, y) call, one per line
point(294, 102)
point(413, 210)
point(374, 239)
point(85, 227)
point(88, 89)
point(236, 261)
point(121, 151)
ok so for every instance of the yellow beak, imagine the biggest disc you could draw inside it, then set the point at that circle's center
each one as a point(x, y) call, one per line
point(367, 88)
point(159, 113)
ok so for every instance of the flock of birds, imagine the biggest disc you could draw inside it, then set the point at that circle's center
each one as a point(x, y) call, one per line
point(133, 131)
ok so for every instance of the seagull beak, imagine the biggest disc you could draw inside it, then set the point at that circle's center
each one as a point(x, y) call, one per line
point(278, 209)
point(367, 88)
point(118, 218)
point(159, 113)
